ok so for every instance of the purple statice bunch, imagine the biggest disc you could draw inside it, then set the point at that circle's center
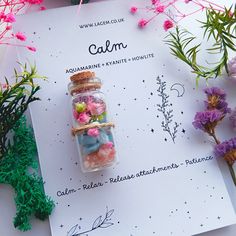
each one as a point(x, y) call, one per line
point(207, 120)
point(216, 109)
point(216, 99)
point(227, 150)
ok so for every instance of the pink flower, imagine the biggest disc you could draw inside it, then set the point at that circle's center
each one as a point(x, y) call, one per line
point(96, 108)
point(32, 48)
point(142, 23)
point(4, 86)
point(133, 10)
point(168, 24)
point(9, 27)
point(10, 18)
point(20, 36)
point(75, 114)
point(83, 118)
point(94, 132)
point(42, 8)
point(2, 15)
point(155, 1)
point(160, 8)
point(34, 1)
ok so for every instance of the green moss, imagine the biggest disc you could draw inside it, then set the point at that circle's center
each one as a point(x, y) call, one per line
point(19, 168)
point(18, 162)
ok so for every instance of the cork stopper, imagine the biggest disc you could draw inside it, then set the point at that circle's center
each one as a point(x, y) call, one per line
point(84, 81)
point(82, 76)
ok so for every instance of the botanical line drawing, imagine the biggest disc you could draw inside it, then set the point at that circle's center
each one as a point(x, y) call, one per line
point(179, 88)
point(167, 122)
point(99, 222)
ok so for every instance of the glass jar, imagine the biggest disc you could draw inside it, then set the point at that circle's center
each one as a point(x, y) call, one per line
point(93, 132)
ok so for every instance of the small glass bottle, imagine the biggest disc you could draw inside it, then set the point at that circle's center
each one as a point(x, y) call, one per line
point(93, 132)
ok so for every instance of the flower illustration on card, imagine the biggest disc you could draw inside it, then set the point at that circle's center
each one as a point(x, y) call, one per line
point(168, 124)
point(101, 222)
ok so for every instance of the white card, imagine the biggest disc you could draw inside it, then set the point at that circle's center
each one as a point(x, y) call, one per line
point(166, 182)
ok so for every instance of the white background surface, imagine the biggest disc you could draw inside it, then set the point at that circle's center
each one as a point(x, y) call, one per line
point(6, 194)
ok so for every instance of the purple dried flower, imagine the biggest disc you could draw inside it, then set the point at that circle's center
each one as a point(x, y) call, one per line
point(227, 150)
point(232, 68)
point(232, 118)
point(226, 146)
point(216, 100)
point(215, 91)
point(207, 120)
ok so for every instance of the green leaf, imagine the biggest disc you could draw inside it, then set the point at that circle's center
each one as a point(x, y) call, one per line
point(219, 27)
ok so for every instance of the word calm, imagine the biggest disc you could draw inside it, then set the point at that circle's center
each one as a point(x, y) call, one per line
point(65, 192)
point(108, 47)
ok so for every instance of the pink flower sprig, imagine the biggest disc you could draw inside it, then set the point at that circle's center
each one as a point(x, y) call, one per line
point(8, 10)
point(172, 11)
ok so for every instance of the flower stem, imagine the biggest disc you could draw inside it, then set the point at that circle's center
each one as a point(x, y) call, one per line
point(231, 169)
point(213, 135)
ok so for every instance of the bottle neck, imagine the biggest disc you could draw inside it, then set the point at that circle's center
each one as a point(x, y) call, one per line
point(85, 87)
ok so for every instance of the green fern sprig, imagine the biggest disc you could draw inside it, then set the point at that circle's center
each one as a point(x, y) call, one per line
point(14, 100)
point(219, 26)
